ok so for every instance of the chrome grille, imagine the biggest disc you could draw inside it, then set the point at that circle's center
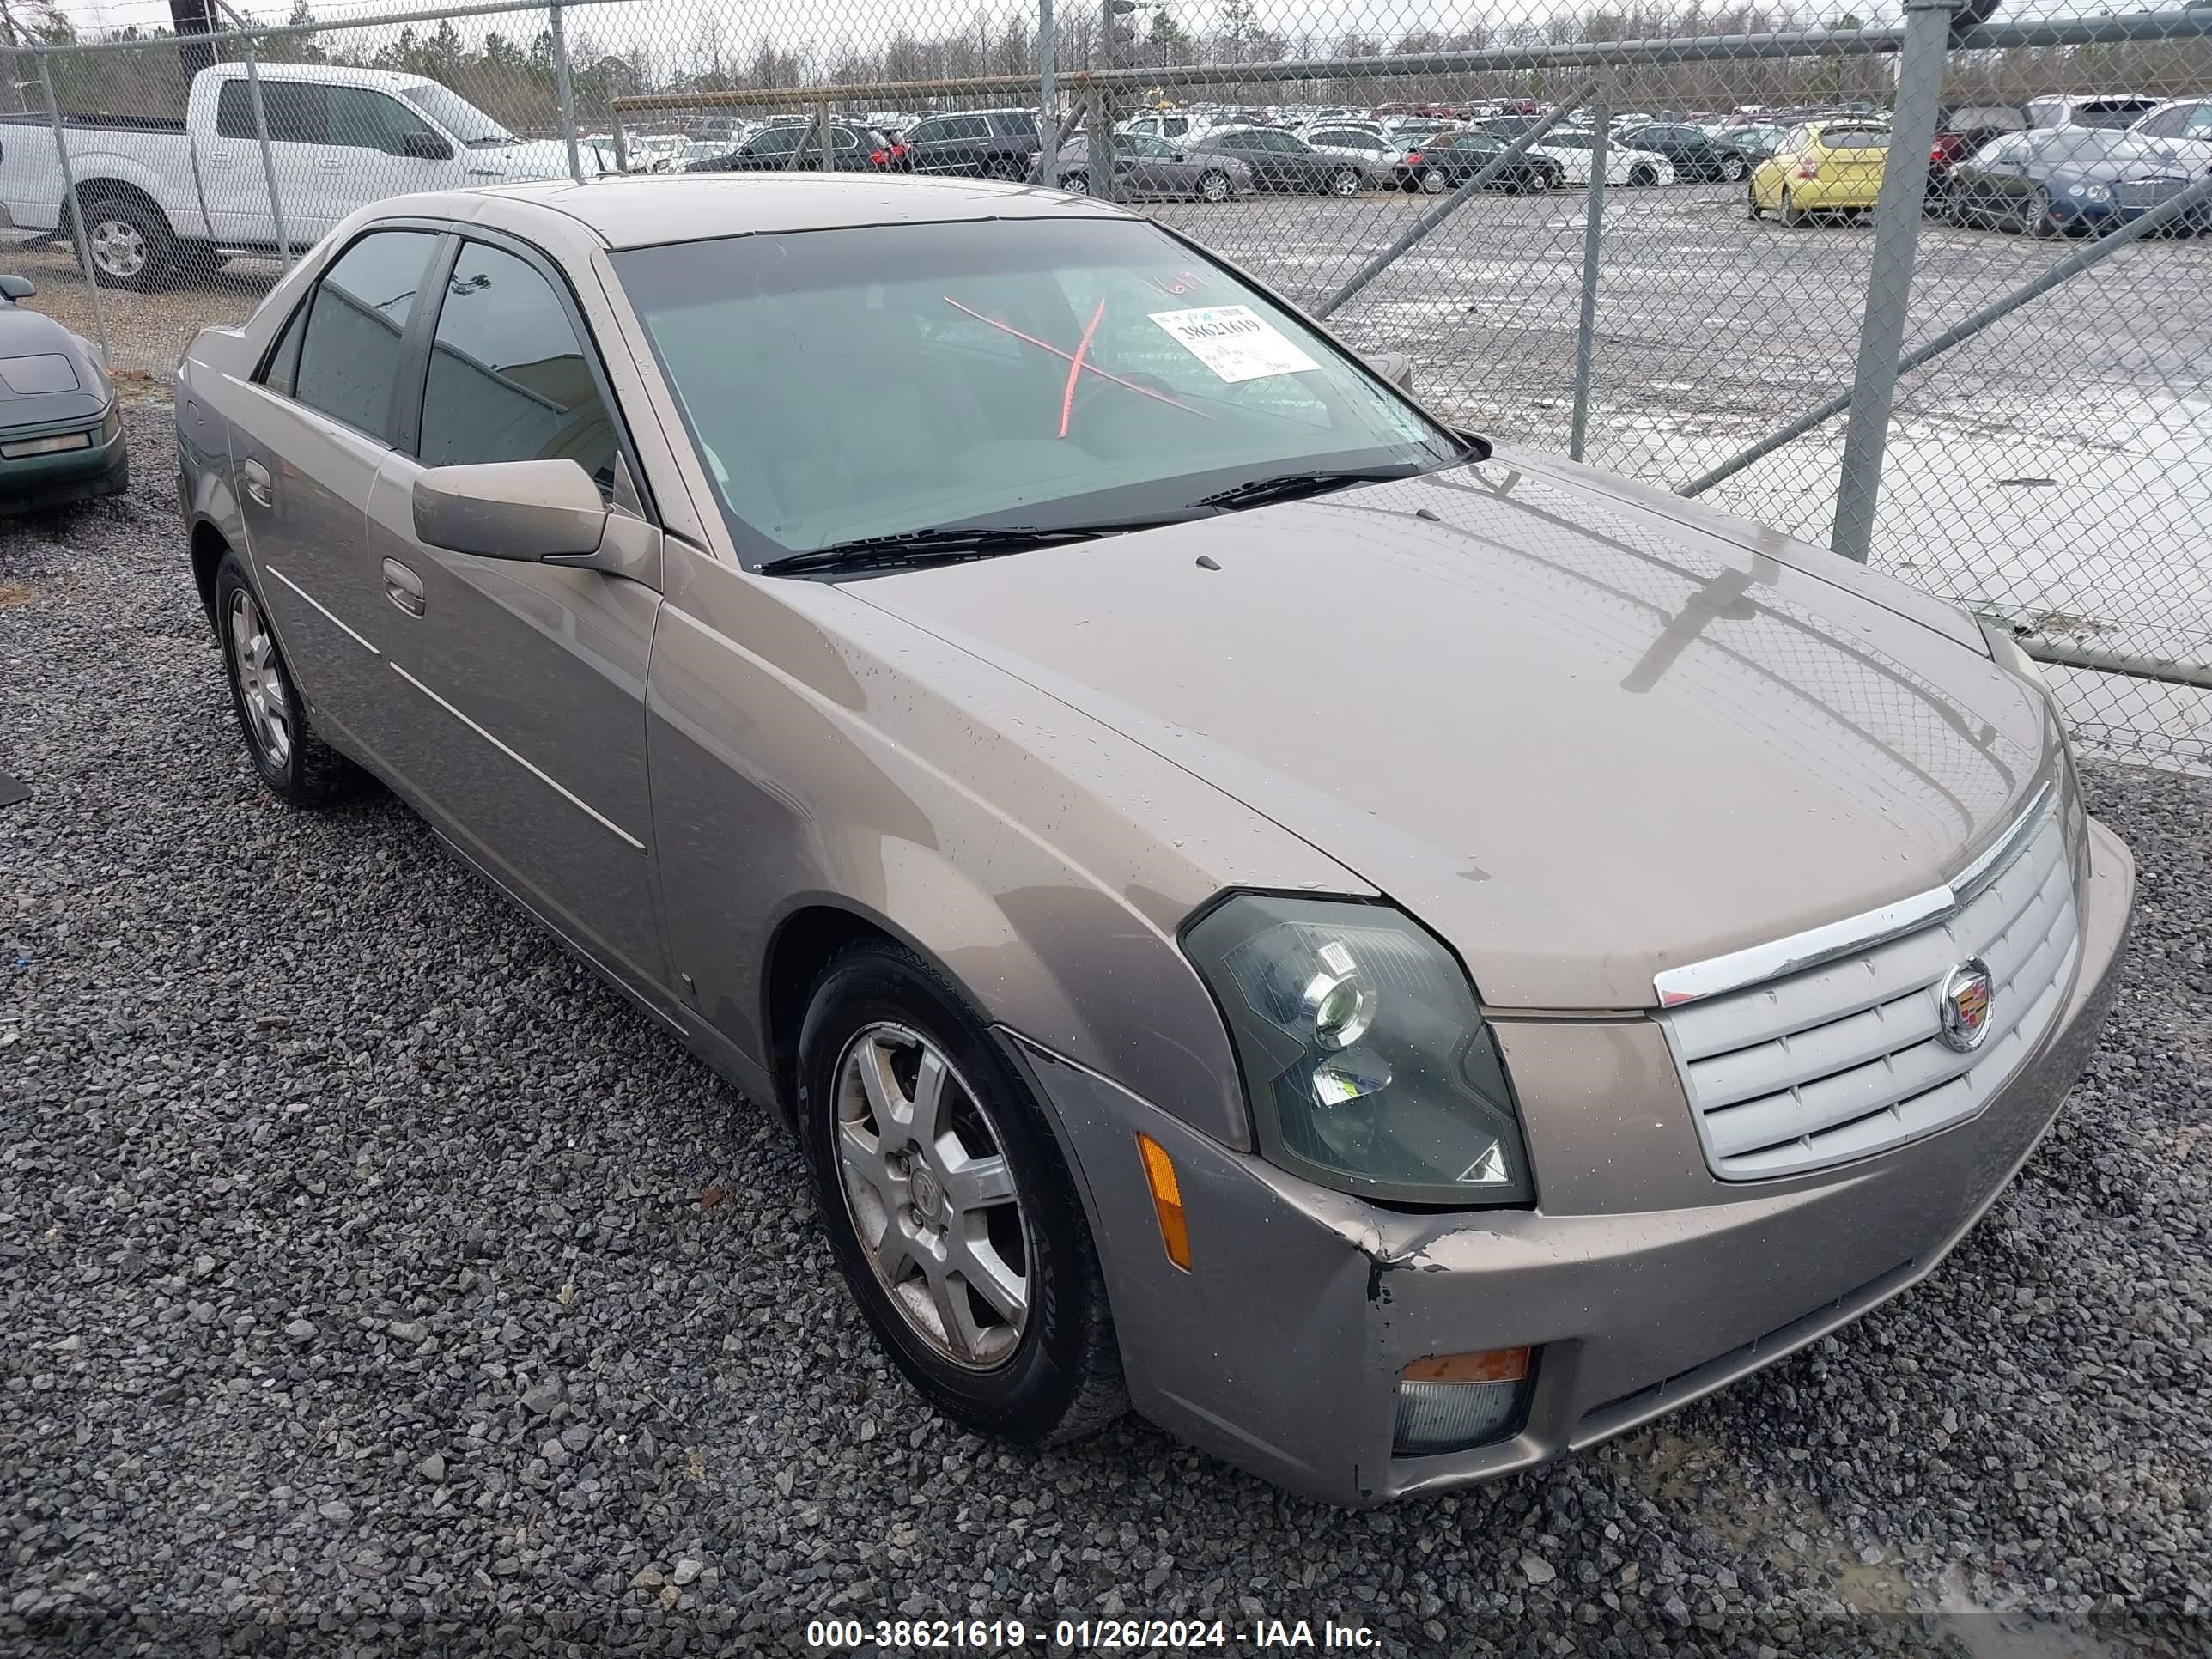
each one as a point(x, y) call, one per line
point(1844, 1059)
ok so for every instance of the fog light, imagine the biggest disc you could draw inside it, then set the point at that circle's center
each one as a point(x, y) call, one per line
point(1454, 1402)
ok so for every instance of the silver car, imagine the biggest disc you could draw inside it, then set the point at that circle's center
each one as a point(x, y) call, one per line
point(1145, 167)
point(1396, 955)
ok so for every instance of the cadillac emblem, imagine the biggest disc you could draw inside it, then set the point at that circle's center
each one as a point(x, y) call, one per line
point(1963, 1000)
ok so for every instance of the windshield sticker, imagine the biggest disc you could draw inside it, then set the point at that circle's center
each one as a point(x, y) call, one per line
point(1235, 342)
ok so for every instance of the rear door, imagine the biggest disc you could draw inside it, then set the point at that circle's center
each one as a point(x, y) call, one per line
point(524, 723)
point(236, 184)
point(305, 452)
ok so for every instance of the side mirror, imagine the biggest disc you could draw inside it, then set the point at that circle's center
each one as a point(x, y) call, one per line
point(16, 287)
point(526, 510)
point(1394, 367)
point(425, 146)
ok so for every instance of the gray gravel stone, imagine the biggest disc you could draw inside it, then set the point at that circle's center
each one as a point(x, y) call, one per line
point(262, 1071)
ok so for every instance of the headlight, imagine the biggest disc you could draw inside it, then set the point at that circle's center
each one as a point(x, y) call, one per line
point(2092, 192)
point(1368, 1066)
point(2006, 652)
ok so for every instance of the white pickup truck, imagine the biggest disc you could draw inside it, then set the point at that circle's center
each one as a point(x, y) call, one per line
point(165, 198)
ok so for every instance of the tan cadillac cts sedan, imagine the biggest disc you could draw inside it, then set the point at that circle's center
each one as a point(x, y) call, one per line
point(1396, 957)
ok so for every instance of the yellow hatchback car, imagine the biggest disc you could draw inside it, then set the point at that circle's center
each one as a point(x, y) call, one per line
point(1823, 167)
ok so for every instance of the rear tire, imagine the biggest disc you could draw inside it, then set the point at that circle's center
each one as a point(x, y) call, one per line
point(1792, 214)
point(131, 244)
point(887, 1149)
point(1642, 177)
point(294, 764)
point(1214, 187)
point(1346, 182)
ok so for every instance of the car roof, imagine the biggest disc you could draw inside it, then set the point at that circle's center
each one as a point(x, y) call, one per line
point(641, 212)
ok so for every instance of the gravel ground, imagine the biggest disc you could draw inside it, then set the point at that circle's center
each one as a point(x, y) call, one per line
point(371, 1273)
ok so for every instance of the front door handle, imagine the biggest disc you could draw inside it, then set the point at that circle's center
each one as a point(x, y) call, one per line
point(404, 588)
point(259, 487)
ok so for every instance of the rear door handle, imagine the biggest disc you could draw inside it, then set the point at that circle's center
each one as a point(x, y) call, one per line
point(258, 485)
point(404, 588)
point(330, 164)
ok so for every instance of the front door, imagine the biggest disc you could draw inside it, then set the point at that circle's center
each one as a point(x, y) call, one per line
point(520, 687)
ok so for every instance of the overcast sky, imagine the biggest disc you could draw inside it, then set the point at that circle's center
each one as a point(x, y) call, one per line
point(671, 26)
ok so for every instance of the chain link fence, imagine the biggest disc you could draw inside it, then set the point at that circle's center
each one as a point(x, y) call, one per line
point(1688, 245)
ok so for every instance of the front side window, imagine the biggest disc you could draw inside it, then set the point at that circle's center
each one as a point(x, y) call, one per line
point(364, 119)
point(457, 116)
point(349, 354)
point(1188, 380)
point(509, 380)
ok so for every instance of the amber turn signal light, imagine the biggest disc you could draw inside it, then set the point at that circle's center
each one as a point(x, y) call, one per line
point(1492, 1365)
point(1167, 1200)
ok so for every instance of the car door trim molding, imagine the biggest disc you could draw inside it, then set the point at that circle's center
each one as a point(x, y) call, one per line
point(543, 777)
point(335, 620)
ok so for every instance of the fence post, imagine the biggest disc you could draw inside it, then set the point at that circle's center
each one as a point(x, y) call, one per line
point(1099, 161)
point(829, 132)
point(1897, 217)
point(76, 211)
point(268, 159)
point(1593, 244)
point(562, 90)
point(1047, 96)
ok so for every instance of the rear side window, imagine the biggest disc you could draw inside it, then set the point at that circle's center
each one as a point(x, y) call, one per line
point(509, 379)
point(349, 352)
point(297, 112)
point(284, 361)
point(781, 141)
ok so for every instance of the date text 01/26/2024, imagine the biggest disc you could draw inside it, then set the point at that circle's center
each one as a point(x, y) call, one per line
point(1085, 1635)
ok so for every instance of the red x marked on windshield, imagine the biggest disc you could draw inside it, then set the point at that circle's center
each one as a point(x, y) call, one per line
point(1077, 359)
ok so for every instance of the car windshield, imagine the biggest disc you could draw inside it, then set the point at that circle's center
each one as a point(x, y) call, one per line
point(846, 385)
point(2112, 112)
point(2092, 144)
point(458, 117)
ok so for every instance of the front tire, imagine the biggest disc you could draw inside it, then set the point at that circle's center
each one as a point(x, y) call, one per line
point(949, 1205)
point(1733, 169)
point(1432, 182)
point(1751, 211)
point(295, 765)
point(1076, 183)
point(1642, 177)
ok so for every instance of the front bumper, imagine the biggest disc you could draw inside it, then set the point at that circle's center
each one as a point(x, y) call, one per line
point(32, 483)
point(1644, 1282)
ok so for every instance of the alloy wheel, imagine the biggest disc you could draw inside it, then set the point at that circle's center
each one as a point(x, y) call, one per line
point(1214, 187)
point(117, 248)
point(260, 681)
point(932, 1196)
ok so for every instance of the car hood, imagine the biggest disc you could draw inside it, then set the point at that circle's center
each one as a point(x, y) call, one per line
point(536, 158)
point(47, 373)
point(1585, 730)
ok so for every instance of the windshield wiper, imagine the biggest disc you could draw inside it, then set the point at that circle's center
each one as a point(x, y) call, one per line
point(1296, 486)
point(946, 545)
